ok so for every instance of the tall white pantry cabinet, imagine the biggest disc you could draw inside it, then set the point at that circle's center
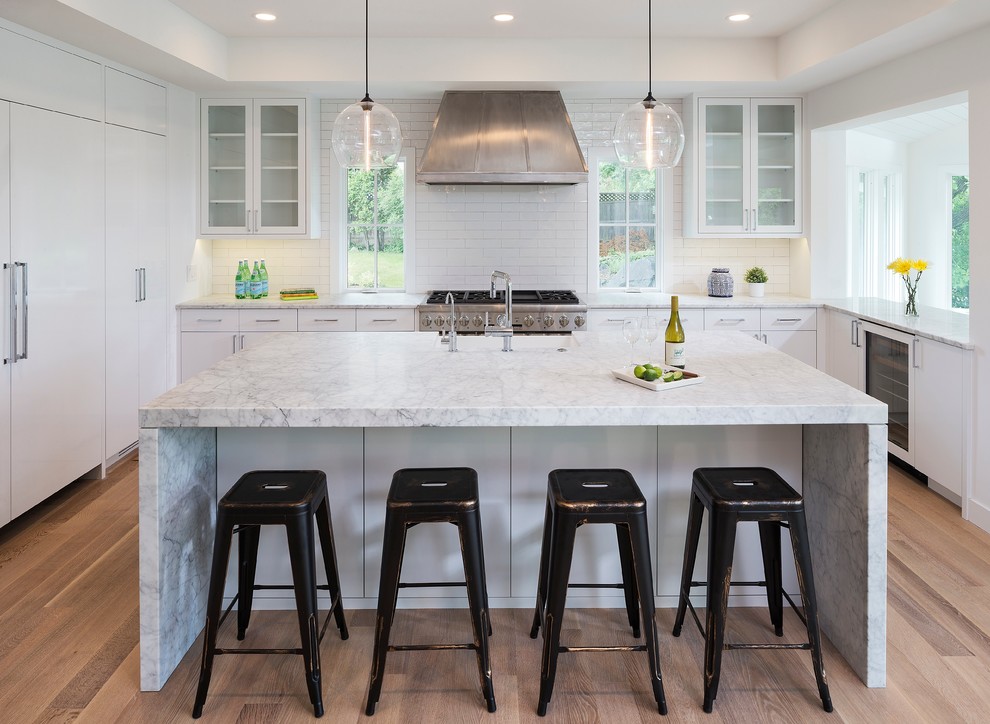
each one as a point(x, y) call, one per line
point(66, 176)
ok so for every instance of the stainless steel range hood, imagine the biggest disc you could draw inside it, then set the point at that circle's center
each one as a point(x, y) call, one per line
point(502, 137)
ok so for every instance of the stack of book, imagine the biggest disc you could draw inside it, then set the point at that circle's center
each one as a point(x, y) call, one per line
point(297, 294)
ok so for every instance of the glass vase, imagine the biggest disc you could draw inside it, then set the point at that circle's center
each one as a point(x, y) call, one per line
point(911, 307)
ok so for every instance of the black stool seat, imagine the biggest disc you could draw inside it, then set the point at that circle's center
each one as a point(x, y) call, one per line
point(294, 499)
point(590, 496)
point(732, 495)
point(432, 495)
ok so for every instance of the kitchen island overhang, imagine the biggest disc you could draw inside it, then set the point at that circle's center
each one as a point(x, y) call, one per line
point(406, 392)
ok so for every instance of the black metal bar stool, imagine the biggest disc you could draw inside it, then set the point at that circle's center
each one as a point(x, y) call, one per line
point(576, 498)
point(432, 495)
point(292, 498)
point(732, 495)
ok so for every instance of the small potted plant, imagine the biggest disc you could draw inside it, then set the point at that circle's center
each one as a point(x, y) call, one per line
point(757, 278)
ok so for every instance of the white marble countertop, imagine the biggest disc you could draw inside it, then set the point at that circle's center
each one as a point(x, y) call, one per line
point(409, 380)
point(942, 325)
point(357, 300)
point(617, 299)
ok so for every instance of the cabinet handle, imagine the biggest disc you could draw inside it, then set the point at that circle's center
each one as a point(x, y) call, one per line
point(385, 320)
point(137, 285)
point(854, 333)
point(255, 221)
point(268, 320)
point(326, 320)
point(12, 308)
point(746, 220)
point(242, 341)
point(24, 307)
point(144, 284)
point(732, 321)
point(247, 221)
point(234, 337)
point(789, 320)
point(212, 321)
point(914, 353)
point(614, 320)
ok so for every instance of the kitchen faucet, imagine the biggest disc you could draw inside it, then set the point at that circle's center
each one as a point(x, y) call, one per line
point(503, 323)
point(452, 334)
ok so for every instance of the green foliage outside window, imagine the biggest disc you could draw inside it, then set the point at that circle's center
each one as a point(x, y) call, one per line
point(627, 227)
point(375, 216)
point(960, 242)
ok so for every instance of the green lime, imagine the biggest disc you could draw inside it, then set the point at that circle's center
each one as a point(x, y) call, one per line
point(650, 375)
point(668, 376)
point(678, 375)
point(638, 371)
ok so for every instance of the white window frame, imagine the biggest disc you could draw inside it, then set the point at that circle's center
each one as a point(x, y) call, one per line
point(664, 215)
point(883, 235)
point(945, 259)
point(408, 157)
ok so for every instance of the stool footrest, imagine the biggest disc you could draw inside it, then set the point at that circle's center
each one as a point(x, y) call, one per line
point(218, 652)
point(435, 584)
point(758, 584)
point(803, 647)
point(433, 647)
point(582, 649)
point(595, 585)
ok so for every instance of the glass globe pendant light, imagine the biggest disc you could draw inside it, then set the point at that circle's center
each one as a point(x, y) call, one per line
point(649, 134)
point(366, 134)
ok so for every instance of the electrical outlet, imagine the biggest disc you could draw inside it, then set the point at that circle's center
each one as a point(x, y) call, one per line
point(191, 270)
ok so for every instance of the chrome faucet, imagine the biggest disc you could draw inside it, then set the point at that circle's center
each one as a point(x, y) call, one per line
point(452, 333)
point(503, 323)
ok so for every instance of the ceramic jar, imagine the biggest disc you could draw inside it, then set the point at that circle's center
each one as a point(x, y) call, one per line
point(720, 282)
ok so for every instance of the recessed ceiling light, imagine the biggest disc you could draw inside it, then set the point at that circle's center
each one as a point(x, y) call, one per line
point(738, 17)
point(264, 17)
point(503, 17)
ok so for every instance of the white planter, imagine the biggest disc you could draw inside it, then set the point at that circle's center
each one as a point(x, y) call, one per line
point(756, 289)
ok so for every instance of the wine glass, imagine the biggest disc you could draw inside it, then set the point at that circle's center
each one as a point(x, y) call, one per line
point(650, 327)
point(630, 331)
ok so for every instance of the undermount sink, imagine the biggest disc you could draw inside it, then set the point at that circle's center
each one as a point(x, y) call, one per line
point(520, 343)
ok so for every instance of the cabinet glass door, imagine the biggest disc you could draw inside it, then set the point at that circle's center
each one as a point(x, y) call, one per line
point(724, 191)
point(888, 379)
point(227, 160)
point(279, 168)
point(775, 170)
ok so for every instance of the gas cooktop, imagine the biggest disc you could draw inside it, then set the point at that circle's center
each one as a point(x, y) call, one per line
point(519, 297)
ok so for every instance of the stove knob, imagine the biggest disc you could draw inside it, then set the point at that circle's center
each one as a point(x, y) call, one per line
point(548, 321)
point(578, 321)
point(463, 322)
point(528, 320)
point(564, 320)
point(426, 320)
point(441, 321)
point(478, 320)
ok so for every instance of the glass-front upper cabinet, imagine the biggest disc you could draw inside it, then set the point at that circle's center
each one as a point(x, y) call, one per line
point(748, 167)
point(253, 156)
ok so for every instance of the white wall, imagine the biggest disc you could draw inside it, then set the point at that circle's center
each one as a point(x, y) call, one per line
point(957, 65)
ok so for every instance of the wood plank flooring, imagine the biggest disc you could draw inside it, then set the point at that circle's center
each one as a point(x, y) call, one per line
point(69, 635)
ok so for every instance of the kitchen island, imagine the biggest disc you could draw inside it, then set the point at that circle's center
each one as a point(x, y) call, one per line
point(363, 406)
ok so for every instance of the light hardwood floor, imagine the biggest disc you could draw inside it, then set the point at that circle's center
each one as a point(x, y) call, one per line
point(69, 634)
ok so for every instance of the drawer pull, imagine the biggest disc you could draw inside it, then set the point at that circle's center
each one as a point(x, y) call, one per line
point(385, 320)
point(214, 321)
point(731, 321)
point(789, 319)
point(268, 320)
point(326, 320)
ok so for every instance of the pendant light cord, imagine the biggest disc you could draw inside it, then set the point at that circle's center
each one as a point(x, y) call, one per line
point(367, 94)
point(649, 32)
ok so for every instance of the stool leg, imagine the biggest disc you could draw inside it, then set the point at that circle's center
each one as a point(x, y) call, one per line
point(484, 577)
point(802, 555)
point(324, 525)
point(629, 586)
point(638, 538)
point(721, 540)
point(541, 587)
point(302, 557)
point(561, 552)
point(247, 564)
point(695, 513)
point(393, 543)
point(770, 543)
point(218, 576)
point(469, 528)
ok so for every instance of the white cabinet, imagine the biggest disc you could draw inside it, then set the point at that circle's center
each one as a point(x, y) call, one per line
point(253, 160)
point(728, 319)
point(57, 230)
point(942, 413)
point(744, 172)
point(791, 330)
point(135, 103)
point(327, 320)
point(844, 356)
point(612, 318)
point(136, 276)
point(7, 301)
point(385, 320)
point(210, 335)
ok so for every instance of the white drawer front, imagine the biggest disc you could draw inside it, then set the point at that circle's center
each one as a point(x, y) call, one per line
point(327, 320)
point(747, 320)
point(386, 320)
point(788, 318)
point(208, 320)
point(612, 318)
point(267, 320)
point(690, 318)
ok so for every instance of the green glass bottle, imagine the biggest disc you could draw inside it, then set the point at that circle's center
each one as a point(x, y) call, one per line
point(263, 273)
point(673, 338)
point(255, 282)
point(240, 283)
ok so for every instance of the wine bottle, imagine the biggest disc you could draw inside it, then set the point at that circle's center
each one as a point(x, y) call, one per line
point(240, 283)
point(674, 338)
point(263, 274)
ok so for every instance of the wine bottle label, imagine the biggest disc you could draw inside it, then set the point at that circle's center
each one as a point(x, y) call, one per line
point(674, 354)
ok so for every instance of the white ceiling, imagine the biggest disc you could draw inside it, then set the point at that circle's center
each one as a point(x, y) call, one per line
point(418, 48)
point(916, 126)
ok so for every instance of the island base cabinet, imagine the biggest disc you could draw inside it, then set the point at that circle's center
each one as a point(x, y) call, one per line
point(338, 452)
point(433, 552)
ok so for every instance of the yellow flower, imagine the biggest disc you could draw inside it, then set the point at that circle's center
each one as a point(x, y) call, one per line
point(900, 266)
point(919, 264)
